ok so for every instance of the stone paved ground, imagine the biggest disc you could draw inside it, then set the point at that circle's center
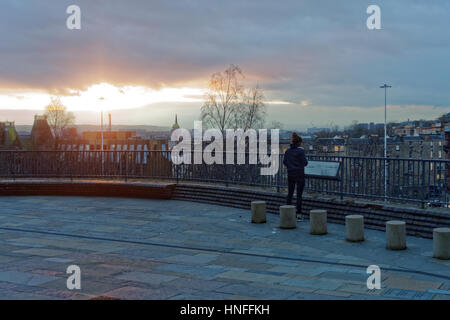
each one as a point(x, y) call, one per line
point(156, 249)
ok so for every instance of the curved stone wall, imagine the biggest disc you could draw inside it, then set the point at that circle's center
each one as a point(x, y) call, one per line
point(88, 188)
point(418, 222)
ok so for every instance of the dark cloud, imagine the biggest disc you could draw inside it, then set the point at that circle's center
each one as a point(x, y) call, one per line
point(319, 50)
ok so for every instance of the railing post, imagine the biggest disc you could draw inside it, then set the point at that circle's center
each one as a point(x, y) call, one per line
point(278, 181)
point(126, 166)
point(14, 166)
point(423, 183)
point(71, 167)
point(279, 173)
point(226, 175)
point(341, 181)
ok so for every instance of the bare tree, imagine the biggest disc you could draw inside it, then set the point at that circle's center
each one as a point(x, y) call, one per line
point(228, 105)
point(252, 110)
point(222, 99)
point(389, 129)
point(334, 129)
point(58, 118)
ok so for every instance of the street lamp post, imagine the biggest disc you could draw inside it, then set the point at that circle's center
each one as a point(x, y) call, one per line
point(101, 121)
point(385, 87)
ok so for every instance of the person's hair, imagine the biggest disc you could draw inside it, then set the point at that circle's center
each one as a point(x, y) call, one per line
point(296, 139)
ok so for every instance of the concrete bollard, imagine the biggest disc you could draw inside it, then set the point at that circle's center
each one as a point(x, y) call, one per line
point(354, 225)
point(318, 222)
point(395, 235)
point(287, 217)
point(441, 243)
point(258, 211)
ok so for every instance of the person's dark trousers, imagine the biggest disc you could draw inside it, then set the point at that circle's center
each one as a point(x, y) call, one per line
point(296, 180)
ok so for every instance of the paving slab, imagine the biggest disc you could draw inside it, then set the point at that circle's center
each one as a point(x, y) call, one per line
point(407, 294)
point(25, 278)
point(42, 252)
point(146, 277)
point(256, 291)
point(153, 249)
point(322, 284)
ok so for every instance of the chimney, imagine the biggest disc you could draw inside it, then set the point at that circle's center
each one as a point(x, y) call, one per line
point(109, 116)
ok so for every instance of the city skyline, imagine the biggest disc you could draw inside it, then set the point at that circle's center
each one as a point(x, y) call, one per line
point(26, 118)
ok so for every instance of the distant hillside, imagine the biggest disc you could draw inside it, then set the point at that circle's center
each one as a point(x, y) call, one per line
point(120, 127)
point(90, 127)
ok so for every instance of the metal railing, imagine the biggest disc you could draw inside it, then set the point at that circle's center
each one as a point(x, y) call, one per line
point(413, 180)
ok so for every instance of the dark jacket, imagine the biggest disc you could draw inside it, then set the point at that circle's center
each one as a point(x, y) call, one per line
point(295, 160)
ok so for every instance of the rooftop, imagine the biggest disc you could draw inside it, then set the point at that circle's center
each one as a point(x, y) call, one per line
point(168, 249)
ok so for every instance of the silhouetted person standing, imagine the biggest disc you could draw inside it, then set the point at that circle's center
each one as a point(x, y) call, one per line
point(295, 161)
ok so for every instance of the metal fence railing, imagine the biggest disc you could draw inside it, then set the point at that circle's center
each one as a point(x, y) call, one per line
point(414, 180)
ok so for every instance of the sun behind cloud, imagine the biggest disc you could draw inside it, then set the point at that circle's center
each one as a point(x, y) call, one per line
point(102, 96)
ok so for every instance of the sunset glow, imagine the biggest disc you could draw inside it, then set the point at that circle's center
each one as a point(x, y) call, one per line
point(315, 66)
point(113, 98)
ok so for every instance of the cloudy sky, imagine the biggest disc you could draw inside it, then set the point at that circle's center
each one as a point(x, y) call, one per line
point(317, 61)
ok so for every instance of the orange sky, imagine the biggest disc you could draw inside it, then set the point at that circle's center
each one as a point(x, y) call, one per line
point(315, 60)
